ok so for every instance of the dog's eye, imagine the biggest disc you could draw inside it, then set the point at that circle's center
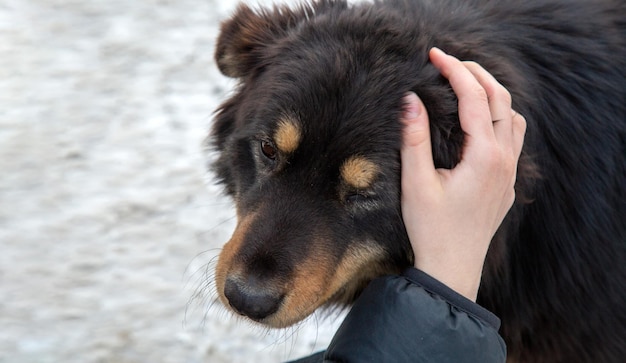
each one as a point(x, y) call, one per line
point(268, 150)
point(355, 198)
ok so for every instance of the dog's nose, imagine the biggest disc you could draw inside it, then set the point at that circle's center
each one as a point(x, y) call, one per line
point(250, 298)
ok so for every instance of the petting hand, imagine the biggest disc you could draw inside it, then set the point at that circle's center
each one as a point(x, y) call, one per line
point(452, 215)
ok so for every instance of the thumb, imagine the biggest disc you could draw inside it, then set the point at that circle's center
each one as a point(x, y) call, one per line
point(417, 157)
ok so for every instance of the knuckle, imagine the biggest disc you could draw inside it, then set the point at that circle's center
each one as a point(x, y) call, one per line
point(510, 198)
point(481, 94)
point(499, 161)
point(519, 121)
point(505, 95)
point(509, 165)
point(416, 136)
point(471, 64)
point(501, 94)
point(519, 126)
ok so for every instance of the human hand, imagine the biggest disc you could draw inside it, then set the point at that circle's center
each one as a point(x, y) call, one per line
point(452, 215)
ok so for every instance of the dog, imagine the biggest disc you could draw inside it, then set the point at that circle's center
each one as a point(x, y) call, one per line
point(308, 147)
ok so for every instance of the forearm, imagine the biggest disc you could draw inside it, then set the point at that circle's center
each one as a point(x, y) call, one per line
point(415, 318)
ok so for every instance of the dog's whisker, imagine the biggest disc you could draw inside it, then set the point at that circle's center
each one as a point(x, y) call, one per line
point(210, 206)
point(294, 338)
point(204, 293)
point(203, 267)
point(218, 225)
point(317, 330)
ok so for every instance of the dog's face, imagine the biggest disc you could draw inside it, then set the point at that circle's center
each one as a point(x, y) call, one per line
point(309, 150)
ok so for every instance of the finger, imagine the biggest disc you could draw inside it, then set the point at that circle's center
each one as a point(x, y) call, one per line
point(474, 113)
point(519, 131)
point(417, 159)
point(499, 103)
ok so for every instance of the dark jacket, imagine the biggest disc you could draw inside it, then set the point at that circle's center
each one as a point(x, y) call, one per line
point(414, 318)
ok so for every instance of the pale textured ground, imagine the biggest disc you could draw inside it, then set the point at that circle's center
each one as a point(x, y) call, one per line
point(107, 221)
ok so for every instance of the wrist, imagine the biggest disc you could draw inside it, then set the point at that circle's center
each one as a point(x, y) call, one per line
point(463, 279)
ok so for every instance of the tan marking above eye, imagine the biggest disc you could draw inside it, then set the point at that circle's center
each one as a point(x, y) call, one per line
point(288, 135)
point(359, 172)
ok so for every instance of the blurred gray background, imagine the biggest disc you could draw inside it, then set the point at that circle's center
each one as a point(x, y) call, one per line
point(108, 217)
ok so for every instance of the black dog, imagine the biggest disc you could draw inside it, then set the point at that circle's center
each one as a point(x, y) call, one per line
point(309, 150)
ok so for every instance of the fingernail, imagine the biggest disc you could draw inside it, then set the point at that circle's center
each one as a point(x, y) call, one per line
point(437, 50)
point(412, 107)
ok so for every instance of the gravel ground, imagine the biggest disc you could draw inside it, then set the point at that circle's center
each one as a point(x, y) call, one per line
point(108, 219)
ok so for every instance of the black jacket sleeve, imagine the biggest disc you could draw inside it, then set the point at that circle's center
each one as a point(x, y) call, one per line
point(414, 318)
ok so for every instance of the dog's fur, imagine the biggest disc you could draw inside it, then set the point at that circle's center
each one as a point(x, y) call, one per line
point(309, 150)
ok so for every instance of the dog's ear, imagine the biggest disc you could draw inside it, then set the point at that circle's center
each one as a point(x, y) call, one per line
point(244, 37)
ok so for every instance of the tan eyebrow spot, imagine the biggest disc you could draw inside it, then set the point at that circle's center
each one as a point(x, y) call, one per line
point(287, 136)
point(359, 172)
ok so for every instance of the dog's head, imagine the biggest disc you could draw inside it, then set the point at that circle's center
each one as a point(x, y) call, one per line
point(309, 150)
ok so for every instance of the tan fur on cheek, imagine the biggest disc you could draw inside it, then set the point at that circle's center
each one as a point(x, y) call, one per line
point(358, 263)
point(226, 263)
point(359, 172)
point(304, 292)
point(288, 135)
point(318, 280)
